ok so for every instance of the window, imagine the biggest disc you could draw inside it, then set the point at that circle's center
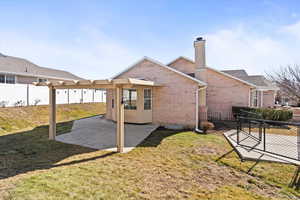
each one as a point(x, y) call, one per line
point(10, 79)
point(130, 99)
point(255, 98)
point(112, 103)
point(2, 78)
point(42, 80)
point(147, 99)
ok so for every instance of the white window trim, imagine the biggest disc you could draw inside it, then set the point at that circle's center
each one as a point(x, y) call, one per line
point(151, 98)
point(254, 96)
point(137, 97)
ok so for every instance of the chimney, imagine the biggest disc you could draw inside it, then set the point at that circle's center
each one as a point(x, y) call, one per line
point(200, 60)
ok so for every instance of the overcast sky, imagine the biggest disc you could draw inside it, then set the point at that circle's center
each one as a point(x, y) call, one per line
point(97, 39)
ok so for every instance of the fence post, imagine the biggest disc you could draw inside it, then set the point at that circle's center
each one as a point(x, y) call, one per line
point(68, 96)
point(27, 95)
point(260, 131)
point(93, 90)
point(81, 100)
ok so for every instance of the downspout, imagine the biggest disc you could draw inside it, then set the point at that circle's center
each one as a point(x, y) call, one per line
point(197, 110)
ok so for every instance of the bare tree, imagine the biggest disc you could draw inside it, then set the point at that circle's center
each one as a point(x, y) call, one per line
point(288, 80)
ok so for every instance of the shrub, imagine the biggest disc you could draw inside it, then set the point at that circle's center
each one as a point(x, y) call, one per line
point(239, 109)
point(205, 126)
point(19, 103)
point(277, 115)
point(265, 113)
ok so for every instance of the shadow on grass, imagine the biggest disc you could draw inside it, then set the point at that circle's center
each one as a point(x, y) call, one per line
point(31, 150)
point(157, 136)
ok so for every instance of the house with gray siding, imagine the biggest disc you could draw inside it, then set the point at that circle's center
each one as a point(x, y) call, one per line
point(15, 70)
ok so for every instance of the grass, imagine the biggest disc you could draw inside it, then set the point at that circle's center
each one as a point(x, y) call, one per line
point(25, 118)
point(290, 130)
point(167, 165)
point(29, 150)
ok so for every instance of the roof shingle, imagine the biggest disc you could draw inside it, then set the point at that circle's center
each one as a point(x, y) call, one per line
point(14, 65)
point(236, 73)
point(257, 80)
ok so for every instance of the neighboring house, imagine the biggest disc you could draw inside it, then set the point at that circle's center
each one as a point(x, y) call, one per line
point(188, 91)
point(18, 70)
point(18, 74)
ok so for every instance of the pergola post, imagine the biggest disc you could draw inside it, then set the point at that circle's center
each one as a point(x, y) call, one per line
point(120, 119)
point(52, 113)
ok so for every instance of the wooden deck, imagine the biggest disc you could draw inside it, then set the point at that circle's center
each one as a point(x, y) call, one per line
point(278, 148)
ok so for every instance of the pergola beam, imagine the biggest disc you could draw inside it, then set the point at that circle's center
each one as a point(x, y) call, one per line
point(94, 86)
point(116, 84)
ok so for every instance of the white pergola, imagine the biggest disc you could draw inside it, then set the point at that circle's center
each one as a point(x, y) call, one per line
point(116, 84)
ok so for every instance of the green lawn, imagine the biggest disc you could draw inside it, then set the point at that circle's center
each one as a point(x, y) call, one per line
point(167, 165)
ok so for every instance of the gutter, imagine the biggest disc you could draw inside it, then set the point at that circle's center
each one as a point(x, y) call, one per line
point(36, 75)
point(197, 110)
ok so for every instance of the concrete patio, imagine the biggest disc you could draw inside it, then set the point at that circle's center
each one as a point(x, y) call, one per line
point(279, 148)
point(99, 133)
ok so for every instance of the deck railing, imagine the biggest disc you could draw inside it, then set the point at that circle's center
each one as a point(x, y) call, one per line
point(274, 137)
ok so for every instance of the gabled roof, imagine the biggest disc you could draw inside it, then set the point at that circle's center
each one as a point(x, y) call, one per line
point(161, 65)
point(20, 66)
point(220, 72)
point(260, 81)
point(180, 57)
point(233, 77)
point(257, 81)
point(236, 73)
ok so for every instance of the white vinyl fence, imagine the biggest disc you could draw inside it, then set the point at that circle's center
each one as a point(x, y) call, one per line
point(23, 95)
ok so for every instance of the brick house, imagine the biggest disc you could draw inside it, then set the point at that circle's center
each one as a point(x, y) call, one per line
point(188, 91)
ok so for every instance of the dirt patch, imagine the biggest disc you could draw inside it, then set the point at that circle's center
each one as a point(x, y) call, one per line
point(160, 184)
point(209, 150)
point(213, 176)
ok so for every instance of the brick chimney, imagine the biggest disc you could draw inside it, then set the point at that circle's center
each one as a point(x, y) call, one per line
point(200, 60)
